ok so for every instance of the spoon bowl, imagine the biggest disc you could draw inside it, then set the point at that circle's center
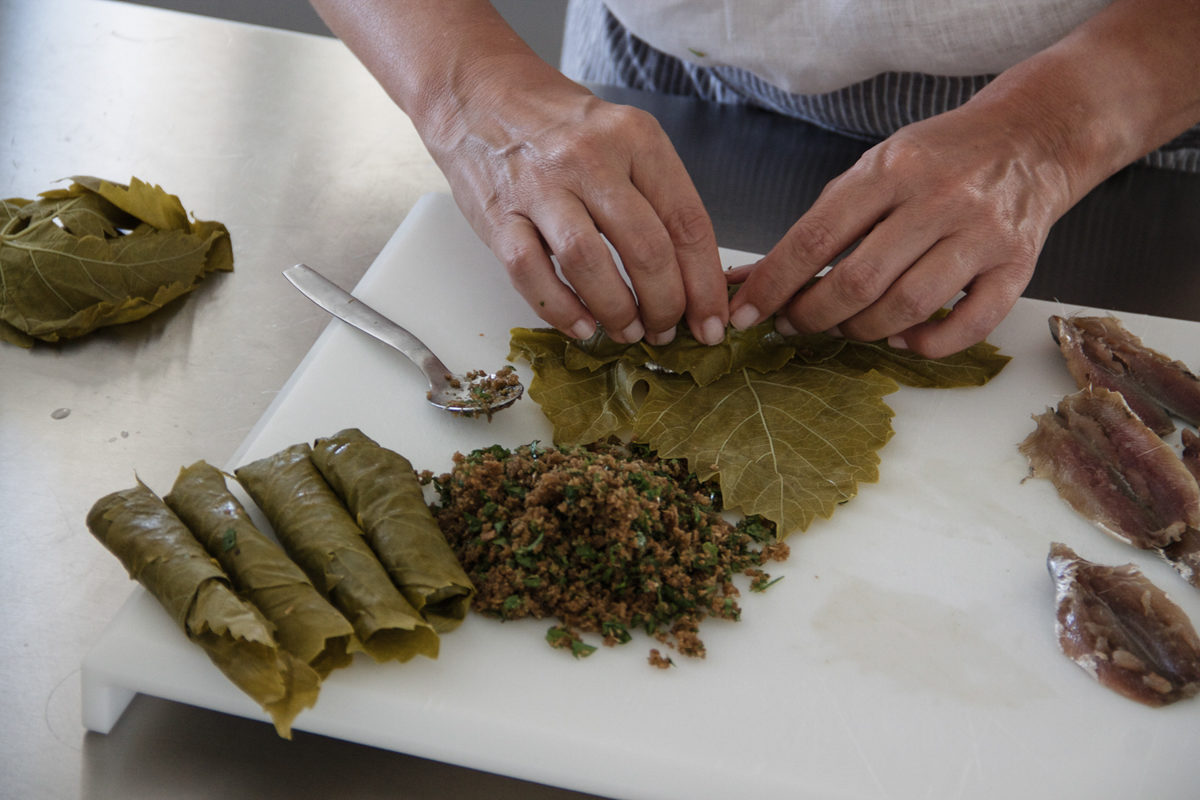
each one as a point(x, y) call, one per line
point(473, 394)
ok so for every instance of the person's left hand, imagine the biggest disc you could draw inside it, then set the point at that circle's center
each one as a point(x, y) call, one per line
point(958, 202)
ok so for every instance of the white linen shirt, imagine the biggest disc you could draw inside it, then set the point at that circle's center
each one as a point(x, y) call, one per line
point(812, 46)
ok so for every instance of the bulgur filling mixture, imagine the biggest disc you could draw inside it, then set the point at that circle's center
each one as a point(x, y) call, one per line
point(605, 539)
point(485, 390)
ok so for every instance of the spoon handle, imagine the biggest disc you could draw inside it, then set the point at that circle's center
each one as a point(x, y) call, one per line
point(349, 309)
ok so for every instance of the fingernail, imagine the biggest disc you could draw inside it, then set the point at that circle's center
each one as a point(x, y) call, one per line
point(897, 342)
point(583, 329)
point(744, 317)
point(662, 337)
point(633, 332)
point(712, 331)
point(835, 332)
point(784, 326)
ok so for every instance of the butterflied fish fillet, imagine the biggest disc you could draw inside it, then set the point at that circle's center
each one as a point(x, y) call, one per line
point(1099, 351)
point(1113, 469)
point(1123, 630)
point(1184, 555)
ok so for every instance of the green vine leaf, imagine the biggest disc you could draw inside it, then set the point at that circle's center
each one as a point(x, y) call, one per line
point(974, 366)
point(585, 406)
point(98, 253)
point(790, 446)
point(789, 427)
point(759, 348)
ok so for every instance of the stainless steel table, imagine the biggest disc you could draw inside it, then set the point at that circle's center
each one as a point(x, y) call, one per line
point(286, 139)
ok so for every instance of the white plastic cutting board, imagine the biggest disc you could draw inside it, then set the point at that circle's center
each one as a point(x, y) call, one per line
point(908, 653)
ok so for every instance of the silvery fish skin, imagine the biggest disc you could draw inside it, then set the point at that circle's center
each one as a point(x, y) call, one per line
point(1113, 469)
point(1099, 351)
point(1184, 555)
point(1123, 630)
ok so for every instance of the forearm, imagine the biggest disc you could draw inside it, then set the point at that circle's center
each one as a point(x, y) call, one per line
point(433, 56)
point(1115, 88)
point(954, 209)
point(543, 168)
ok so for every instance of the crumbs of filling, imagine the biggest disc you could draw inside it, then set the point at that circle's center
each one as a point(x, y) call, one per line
point(605, 539)
point(485, 390)
point(657, 659)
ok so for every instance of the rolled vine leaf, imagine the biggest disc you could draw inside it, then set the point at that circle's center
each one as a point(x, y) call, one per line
point(159, 552)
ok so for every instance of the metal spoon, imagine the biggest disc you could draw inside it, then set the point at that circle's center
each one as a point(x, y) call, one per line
point(470, 395)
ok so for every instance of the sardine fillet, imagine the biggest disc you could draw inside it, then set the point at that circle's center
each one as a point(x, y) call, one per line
point(1099, 351)
point(1123, 630)
point(1114, 470)
point(1184, 555)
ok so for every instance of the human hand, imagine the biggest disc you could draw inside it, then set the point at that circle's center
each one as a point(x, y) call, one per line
point(959, 202)
point(541, 167)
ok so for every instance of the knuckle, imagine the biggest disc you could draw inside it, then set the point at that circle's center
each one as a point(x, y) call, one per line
point(901, 154)
point(911, 306)
point(522, 261)
point(689, 226)
point(517, 247)
point(650, 255)
point(812, 240)
point(1025, 253)
point(580, 249)
point(633, 120)
point(856, 282)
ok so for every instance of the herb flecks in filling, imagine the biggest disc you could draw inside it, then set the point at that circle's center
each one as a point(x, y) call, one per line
point(605, 539)
point(483, 391)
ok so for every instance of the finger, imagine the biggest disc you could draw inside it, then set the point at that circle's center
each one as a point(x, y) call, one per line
point(587, 264)
point(739, 274)
point(987, 301)
point(896, 277)
point(835, 221)
point(664, 181)
point(648, 256)
point(523, 254)
point(928, 285)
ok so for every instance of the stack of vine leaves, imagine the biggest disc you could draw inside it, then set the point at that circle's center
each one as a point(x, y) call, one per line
point(619, 525)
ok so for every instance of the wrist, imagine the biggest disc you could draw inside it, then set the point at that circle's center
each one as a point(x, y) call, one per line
point(481, 90)
point(1049, 114)
point(1115, 88)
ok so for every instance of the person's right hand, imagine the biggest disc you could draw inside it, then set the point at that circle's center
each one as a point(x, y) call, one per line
point(542, 167)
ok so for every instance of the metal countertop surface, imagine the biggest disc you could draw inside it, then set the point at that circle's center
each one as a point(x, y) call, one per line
point(286, 139)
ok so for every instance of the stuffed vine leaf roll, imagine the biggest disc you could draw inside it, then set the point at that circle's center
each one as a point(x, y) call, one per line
point(306, 624)
point(160, 552)
point(320, 535)
point(381, 490)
